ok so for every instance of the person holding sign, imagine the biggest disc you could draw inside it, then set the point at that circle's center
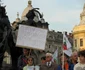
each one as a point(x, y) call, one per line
point(22, 60)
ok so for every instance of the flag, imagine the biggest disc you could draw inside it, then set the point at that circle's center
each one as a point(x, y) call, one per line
point(66, 43)
point(55, 55)
point(68, 52)
point(66, 48)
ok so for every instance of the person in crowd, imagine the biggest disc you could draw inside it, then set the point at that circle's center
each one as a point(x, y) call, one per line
point(41, 53)
point(43, 60)
point(22, 60)
point(49, 65)
point(64, 62)
point(81, 64)
point(74, 60)
point(30, 64)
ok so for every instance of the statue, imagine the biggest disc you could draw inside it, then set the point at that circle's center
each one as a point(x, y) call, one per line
point(4, 28)
point(6, 38)
point(33, 17)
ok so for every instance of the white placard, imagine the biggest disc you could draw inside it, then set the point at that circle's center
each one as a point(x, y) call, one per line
point(31, 37)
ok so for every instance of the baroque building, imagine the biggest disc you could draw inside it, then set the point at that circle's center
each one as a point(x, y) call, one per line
point(54, 41)
point(79, 33)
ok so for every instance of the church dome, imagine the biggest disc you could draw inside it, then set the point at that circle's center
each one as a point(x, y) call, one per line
point(81, 27)
point(79, 33)
point(17, 19)
point(26, 10)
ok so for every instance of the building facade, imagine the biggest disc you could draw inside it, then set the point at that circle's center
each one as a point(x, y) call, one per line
point(79, 33)
point(54, 41)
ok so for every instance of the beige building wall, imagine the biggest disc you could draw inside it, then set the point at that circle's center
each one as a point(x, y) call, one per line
point(79, 33)
point(77, 37)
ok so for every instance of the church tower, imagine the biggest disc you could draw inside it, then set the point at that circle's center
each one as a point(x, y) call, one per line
point(79, 33)
point(26, 10)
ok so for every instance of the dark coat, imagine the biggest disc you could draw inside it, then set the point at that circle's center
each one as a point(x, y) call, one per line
point(45, 67)
point(22, 61)
point(71, 66)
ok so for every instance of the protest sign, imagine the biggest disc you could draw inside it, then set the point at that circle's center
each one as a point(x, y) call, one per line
point(31, 37)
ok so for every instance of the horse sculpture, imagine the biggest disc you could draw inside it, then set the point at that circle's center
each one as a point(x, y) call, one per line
point(6, 38)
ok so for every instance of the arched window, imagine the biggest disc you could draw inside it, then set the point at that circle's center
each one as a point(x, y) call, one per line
point(81, 42)
point(50, 37)
point(75, 42)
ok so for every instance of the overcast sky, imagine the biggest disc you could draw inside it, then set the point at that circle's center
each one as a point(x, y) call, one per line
point(62, 15)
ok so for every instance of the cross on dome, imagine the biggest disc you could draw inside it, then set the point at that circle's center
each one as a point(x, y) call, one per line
point(84, 8)
point(17, 14)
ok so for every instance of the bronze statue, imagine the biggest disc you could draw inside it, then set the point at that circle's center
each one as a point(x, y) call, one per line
point(6, 38)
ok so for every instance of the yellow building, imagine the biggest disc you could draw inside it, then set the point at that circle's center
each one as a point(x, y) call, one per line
point(79, 33)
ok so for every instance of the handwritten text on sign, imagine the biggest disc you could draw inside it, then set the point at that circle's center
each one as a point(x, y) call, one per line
point(31, 37)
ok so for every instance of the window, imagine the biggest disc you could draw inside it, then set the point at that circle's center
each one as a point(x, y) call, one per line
point(50, 37)
point(49, 46)
point(81, 42)
point(75, 42)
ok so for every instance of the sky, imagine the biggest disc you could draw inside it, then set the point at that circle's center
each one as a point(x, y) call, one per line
point(62, 15)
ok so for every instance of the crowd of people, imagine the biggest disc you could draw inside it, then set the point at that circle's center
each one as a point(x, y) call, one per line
point(75, 62)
